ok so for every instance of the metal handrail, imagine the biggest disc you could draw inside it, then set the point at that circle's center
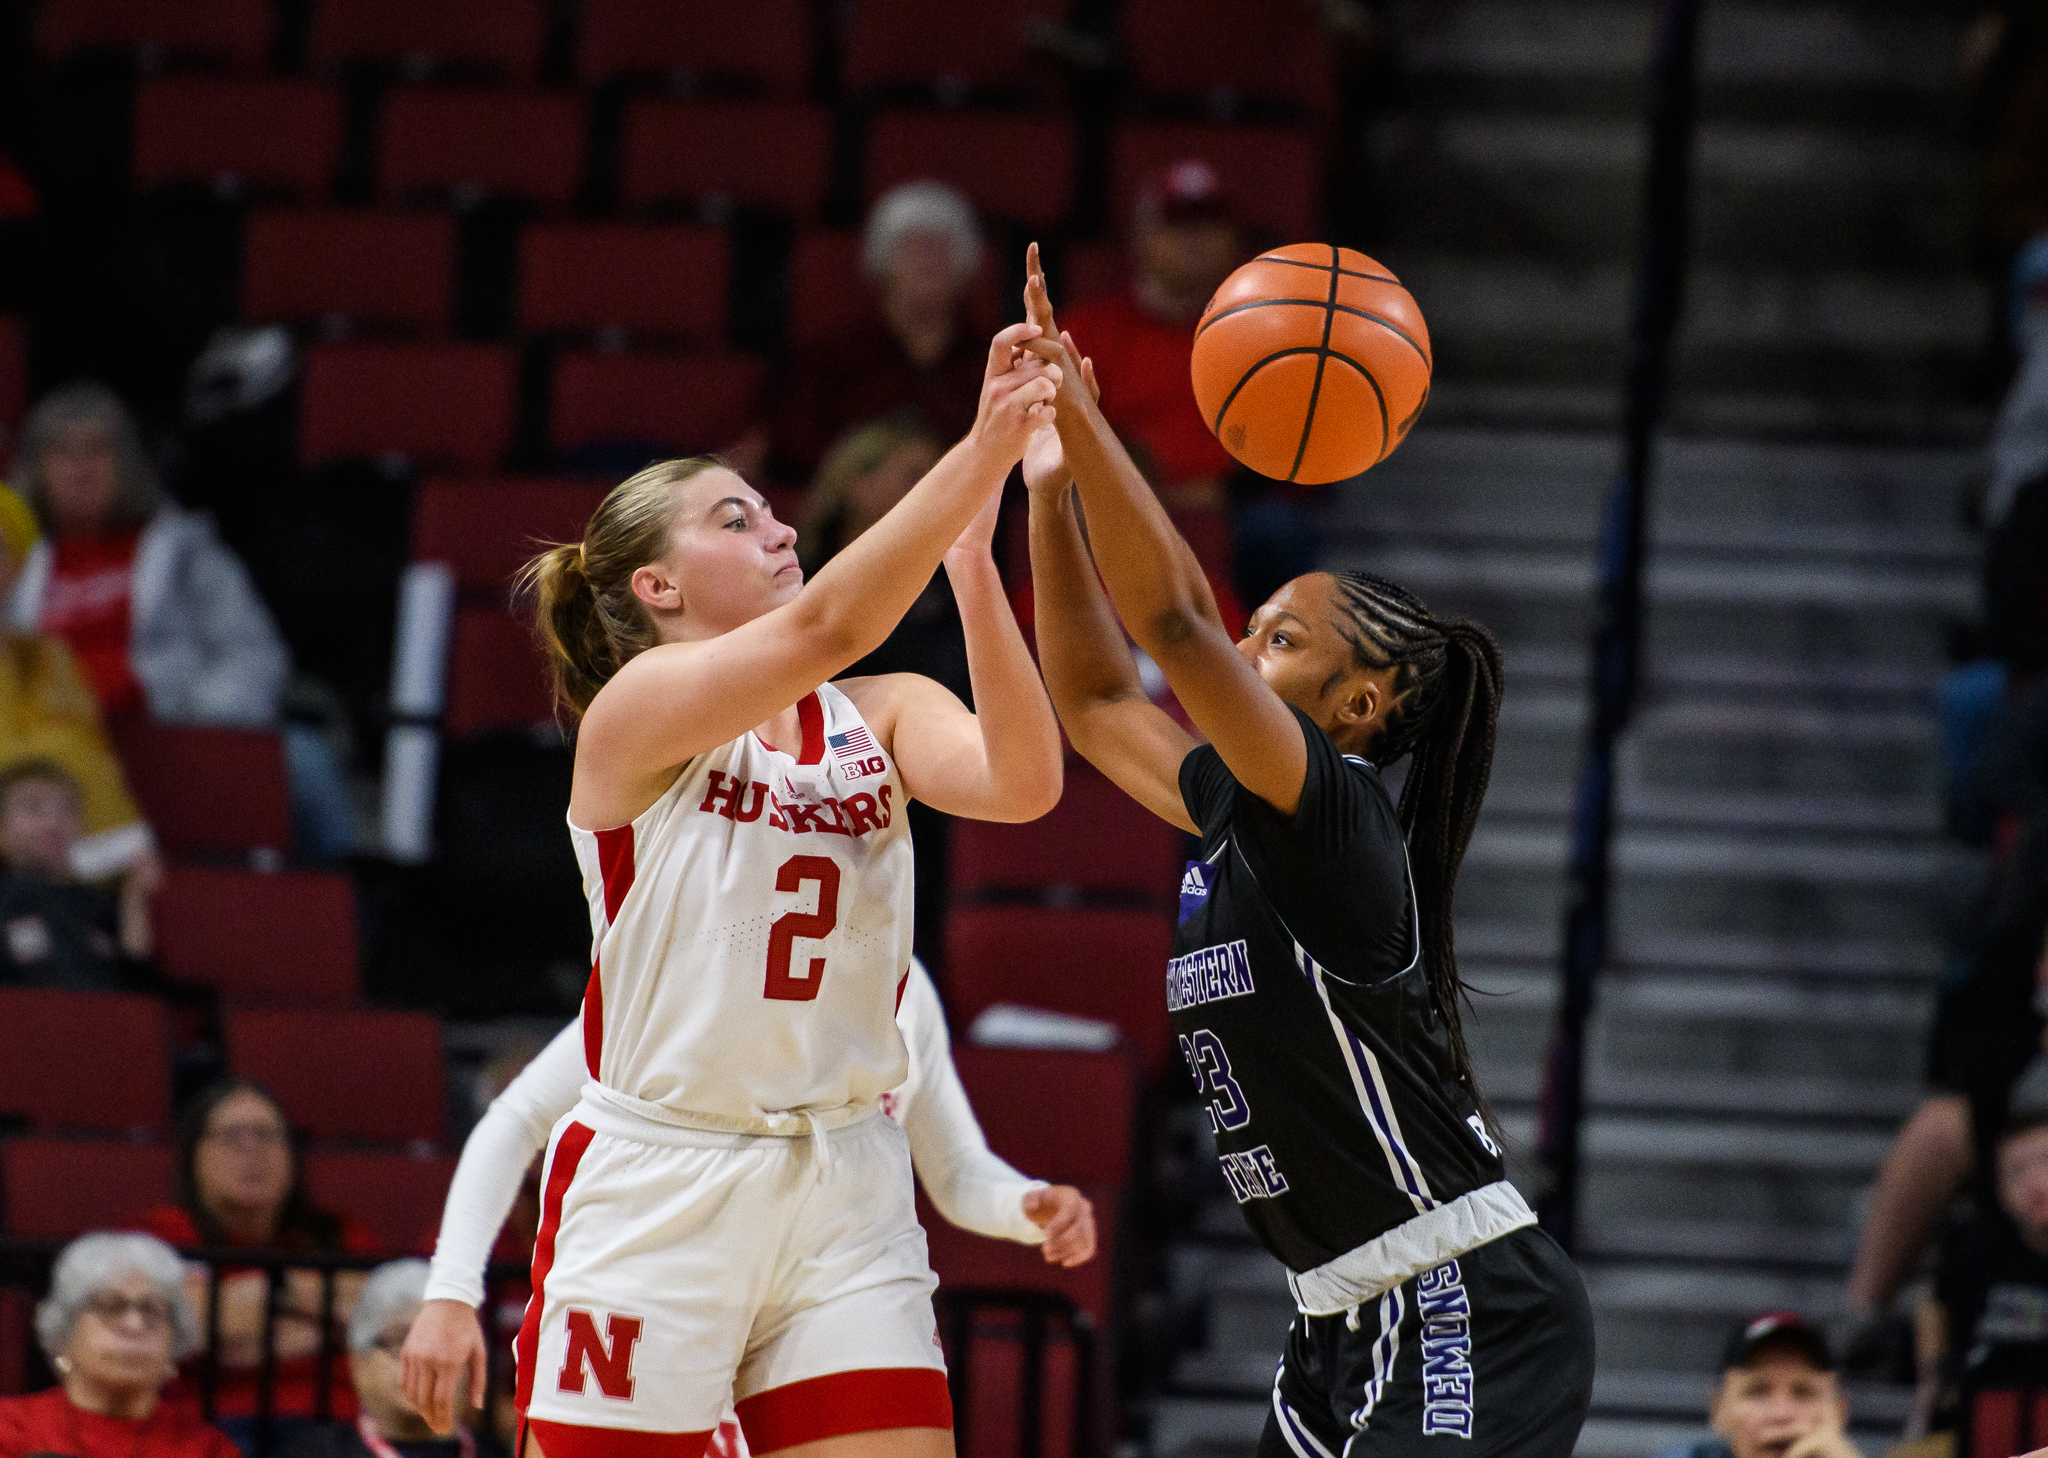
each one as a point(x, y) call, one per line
point(1618, 627)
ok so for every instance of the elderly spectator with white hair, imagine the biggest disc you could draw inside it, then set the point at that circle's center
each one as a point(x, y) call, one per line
point(386, 1425)
point(921, 252)
point(113, 1326)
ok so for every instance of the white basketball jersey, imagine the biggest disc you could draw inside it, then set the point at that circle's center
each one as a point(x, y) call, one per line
point(751, 930)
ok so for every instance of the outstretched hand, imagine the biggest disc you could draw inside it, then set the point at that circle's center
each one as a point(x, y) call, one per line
point(1017, 392)
point(1045, 464)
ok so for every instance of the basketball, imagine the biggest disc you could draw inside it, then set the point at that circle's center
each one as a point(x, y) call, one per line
point(1311, 363)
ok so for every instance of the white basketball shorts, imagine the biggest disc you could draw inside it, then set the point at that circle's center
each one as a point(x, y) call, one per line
point(677, 1271)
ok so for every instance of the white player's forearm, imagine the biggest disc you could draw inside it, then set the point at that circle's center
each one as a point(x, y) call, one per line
point(1020, 737)
point(494, 1162)
point(983, 1194)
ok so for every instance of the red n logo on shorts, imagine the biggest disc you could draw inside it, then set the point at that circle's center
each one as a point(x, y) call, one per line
point(611, 1364)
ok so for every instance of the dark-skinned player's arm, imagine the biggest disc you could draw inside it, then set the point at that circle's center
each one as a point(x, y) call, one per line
point(1159, 589)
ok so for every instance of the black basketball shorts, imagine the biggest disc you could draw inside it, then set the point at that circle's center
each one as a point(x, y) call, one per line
point(1486, 1356)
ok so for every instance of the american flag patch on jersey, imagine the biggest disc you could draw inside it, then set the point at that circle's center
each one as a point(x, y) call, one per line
point(852, 746)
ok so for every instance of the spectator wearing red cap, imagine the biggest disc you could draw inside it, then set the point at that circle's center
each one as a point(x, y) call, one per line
point(1184, 241)
point(1778, 1396)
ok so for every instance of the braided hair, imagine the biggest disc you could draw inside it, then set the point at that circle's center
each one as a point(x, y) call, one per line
point(1446, 706)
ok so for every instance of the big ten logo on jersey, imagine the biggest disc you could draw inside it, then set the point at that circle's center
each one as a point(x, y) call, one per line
point(819, 813)
point(609, 1358)
point(1446, 1351)
point(858, 754)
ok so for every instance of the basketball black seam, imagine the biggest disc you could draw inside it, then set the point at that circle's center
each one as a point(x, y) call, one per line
point(1315, 390)
point(1347, 272)
point(1386, 440)
point(1389, 325)
point(1257, 365)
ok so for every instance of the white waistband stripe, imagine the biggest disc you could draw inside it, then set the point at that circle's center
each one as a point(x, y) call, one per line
point(1410, 1248)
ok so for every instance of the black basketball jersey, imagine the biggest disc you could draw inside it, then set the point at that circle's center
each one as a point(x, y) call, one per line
point(1298, 992)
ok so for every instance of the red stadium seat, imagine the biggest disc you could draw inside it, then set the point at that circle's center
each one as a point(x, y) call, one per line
point(396, 1197)
point(434, 140)
point(487, 528)
point(209, 791)
point(247, 934)
point(827, 295)
point(13, 378)
point(963, 1259)
point(501, 38)
point(232, 32)
point(85, 1060)
point(441, 404)
point(1227, 51)
point(57, 1188)
point(497, 678)
point(988, 1417)
point(678, 404)
point(767, 44)
point(1012, 1090)
point(266, 132)
point(945, 47)
point(394, 269)
point(1097, 839)
point(1272, 174)
point(1095, 963)
point(756, 153)
point(1019, 168)
point(651, 281)
point(358, 1074)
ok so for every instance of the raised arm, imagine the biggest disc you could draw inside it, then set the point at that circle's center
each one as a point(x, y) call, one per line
point(1001, 761)
point(677, 699)
point(1159, 590)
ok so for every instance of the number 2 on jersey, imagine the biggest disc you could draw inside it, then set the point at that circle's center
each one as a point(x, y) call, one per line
point(782, 986)
point(1227, 1106)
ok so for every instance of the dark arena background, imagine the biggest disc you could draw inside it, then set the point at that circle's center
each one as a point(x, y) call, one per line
point(316, 316)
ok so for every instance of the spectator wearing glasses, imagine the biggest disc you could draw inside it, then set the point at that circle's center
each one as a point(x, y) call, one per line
point(386, 1425)
point(112, 1326)
point(240, 1185)
point(1778, 1396)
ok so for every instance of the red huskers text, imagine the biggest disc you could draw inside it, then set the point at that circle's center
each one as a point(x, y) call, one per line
point(744, 800)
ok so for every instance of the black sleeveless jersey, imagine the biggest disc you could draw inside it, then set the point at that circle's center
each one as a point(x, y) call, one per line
point(1302, 1007)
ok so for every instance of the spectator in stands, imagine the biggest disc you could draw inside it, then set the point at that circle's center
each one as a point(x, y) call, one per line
point(921, 252)
point(55, 929)
point(1184, 241)
point(1777, 1397)
point(47, 713)
point(160, 616)
point(239, 1184)
point(385, 1424)
point(113, 1323)
point(867, 471)
point(1986, 1356)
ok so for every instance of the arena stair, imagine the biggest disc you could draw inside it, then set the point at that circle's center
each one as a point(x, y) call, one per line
point(1779, 864)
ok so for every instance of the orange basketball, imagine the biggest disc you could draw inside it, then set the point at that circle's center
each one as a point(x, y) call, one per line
point(1311, 362)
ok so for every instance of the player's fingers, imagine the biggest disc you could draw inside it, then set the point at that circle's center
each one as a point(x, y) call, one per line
point(1088, 379)
point(999, 348)
point(479, 1375)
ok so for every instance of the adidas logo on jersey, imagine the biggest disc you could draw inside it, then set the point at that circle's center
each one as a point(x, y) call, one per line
point(1194, 888)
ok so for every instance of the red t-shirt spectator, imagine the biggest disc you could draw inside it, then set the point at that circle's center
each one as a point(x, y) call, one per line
point(1147, 393)
point(87, 605)
point(48, 1422)
point(235, 1393)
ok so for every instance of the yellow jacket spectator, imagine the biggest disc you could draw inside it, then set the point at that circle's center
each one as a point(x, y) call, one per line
point(47, 713)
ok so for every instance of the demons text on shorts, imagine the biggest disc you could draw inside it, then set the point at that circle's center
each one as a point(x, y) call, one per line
point(1209, 975)
point(1446, 1352)
point(745, 800)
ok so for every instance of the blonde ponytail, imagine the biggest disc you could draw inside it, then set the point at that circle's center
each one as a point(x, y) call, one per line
point(588, 620)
